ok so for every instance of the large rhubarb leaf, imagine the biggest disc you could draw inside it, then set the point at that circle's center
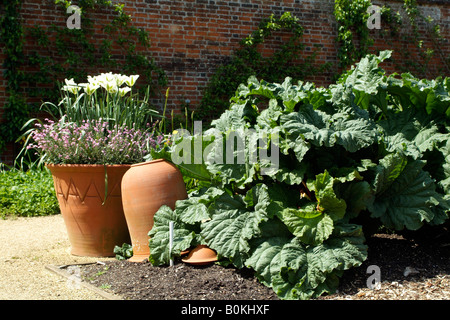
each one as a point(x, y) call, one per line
point(298, 271)
point(196, 208)
point(405, 194)
point(432, 96)
point(313, 222)
point(186, 152)
point(327, 200)
point(445, 181)
point(234, 223)
point(412, 132)
point(308, 224)
point(159, 241)
point(320, 129)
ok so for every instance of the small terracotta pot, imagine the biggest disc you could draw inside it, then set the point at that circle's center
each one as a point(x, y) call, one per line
point(145, 188)
point(95, 225)
point(201, 255)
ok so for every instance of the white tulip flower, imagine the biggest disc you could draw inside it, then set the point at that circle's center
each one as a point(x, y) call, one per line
point(70, 82)
point(131, 80)
point(71, 86)
point(124, 91)
point(120, 79)
point(90, 88)
point(112, 88)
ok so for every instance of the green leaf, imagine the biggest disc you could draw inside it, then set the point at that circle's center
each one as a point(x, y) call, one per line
point(231, 227)
point(268, 118)
point(326, 197)
point(124, 252)
point(320, 129)
point(187, 153)
point(190, 211)
point(344, 250)
point(281, 197)
point(196, 207)
point(265, 258)
point(367, 75)
point(183, 238)
point(388, 170)
point(354, 134)
point(430, 96)
point(445, 183)
point(257, 197)
point(229, 158)
point(411, 132)
point(255, 87)
point(309, 125)
point(357, 196)
point(405, 195)
point(239, 116)
point(308, 224)
point(297, 271)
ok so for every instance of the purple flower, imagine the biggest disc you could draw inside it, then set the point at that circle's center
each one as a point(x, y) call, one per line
point(94, 142)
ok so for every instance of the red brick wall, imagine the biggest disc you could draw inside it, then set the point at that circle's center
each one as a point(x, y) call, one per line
point(189, 39)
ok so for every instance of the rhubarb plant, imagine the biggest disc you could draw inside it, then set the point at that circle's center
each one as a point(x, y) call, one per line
point(372, 148)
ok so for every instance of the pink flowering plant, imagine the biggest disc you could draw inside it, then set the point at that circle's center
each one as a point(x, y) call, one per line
point(92, 142)
point(99, 122)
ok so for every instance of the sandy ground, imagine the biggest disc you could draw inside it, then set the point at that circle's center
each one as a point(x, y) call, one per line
point(27, 246)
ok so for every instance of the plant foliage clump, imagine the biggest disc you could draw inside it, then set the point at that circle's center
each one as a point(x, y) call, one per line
point(369, 150)
point(27, 193)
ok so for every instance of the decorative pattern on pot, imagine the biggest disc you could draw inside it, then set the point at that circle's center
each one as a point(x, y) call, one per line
point(145, 188)
point(91, 205)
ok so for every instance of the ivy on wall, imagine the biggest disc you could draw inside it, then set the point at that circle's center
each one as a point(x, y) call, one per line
point(11, 37)
point(352, 16)
point(248, 60)
point(354, 42)
point(418, 64)
point(70, 53)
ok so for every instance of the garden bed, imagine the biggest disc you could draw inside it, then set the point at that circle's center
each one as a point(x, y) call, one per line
point(410, 269)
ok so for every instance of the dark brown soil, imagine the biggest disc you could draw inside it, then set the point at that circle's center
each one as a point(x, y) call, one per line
point(410, 269)
point(142, 281)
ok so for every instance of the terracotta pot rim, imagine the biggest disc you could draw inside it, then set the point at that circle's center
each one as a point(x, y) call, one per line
point(148, 162)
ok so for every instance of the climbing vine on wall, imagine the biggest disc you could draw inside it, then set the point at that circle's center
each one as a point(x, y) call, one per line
point(354, 36)
point(354, 41)
point(248, 60)
point(351, 16)
point(432, 31)
point(11, 34)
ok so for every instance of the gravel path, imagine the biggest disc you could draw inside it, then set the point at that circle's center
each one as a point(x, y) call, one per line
point(27, 246)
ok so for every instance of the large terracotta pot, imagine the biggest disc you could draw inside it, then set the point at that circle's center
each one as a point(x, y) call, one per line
point(95, 225)
point(145, 188)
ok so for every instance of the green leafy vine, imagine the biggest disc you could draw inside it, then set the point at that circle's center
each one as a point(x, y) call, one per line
point(352, 16)
point(248, 60)
point(11, 35)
